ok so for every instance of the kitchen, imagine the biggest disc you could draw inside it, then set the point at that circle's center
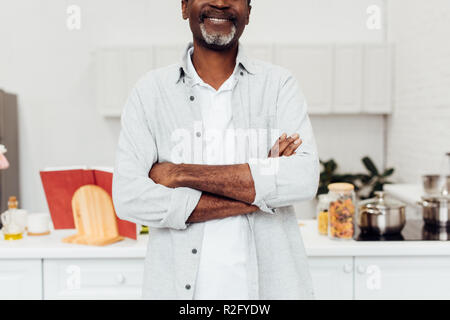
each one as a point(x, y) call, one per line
point(376, 77)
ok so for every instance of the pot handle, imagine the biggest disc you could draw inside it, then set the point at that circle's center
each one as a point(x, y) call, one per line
point(371, 211)
point(426, 204)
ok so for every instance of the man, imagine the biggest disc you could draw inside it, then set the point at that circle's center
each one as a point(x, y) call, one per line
point(221, 220)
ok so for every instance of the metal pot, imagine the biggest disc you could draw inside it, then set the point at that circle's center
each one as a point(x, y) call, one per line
point(436, 210)
point(381, 216)
point(436, 184)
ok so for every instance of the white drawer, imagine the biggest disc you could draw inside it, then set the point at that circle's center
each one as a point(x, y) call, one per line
point(20, 279)
point(93, 278)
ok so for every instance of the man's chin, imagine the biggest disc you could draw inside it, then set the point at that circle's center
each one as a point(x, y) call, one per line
point(218, 42)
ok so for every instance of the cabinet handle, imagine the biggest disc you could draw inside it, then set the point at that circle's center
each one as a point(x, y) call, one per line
point(120, 278)
point(361, 269)
point(348, 268)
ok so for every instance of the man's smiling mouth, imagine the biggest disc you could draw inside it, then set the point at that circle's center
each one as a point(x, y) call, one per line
point(218, 20)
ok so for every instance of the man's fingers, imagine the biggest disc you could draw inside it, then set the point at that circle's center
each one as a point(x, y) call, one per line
point(290, 150)
point(287, 142)
point(276, 150)
point(285, 145)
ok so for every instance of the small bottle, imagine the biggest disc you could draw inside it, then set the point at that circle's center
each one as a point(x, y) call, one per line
point(12, 228)
point(144, 230)
point(322, 214)
point(13, 203)
point(341, 211)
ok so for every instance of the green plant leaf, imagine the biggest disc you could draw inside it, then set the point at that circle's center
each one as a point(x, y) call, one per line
point(368, 163)
point(388, 172)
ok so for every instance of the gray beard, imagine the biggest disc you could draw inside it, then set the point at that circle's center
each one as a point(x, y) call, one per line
point(220, 40)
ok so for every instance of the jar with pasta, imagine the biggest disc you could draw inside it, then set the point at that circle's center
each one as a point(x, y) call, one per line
point(341, 211)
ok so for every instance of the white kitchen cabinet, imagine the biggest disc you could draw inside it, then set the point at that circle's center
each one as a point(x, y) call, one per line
point(21, 279)
point(93, 278)
point(168, 55)
point(260, 52)
point(402, 277)
point(347, 81)
point(335, 78)
point(312, 66)
point(332, 277)
point(377, 79)
point(117, 71)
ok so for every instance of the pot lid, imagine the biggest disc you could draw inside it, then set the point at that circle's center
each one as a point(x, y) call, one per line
point(436, 198)
point(381, 202)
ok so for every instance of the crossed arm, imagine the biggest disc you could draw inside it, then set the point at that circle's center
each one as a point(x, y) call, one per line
point(227, 190)
point(178, 194)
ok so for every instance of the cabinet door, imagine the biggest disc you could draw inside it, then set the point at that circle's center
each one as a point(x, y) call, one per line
point(332, 277)
point(260, 52)
point(313, 68)
point(20, 279)
point(118, 70)
point(347, 84)
point(93, 278)
point(167, 55)
point(402, 277)
point(377, 79)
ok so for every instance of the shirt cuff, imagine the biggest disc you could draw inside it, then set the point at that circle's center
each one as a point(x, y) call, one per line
point(182, 203)
point(264, 177)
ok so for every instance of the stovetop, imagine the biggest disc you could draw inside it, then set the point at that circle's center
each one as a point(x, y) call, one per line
point(414, 230)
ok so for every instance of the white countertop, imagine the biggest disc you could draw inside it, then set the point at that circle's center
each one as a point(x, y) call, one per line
point(51, 247)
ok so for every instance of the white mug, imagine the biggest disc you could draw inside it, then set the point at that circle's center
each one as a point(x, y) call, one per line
point(38, 224)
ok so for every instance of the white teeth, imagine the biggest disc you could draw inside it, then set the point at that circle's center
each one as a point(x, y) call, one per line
point(217, 20)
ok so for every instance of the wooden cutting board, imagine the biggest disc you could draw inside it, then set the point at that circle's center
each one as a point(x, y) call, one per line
point(94, 217)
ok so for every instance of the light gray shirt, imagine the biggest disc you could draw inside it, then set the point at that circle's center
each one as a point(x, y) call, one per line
point(161, 122)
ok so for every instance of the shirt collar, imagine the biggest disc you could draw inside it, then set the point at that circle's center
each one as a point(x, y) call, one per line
point(241, 60)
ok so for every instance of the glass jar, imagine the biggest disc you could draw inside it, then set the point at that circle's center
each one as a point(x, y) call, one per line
point(341, 211)
point(322, 214)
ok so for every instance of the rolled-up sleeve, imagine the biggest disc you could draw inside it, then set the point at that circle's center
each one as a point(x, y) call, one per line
point(136, 197)
point(286, 180)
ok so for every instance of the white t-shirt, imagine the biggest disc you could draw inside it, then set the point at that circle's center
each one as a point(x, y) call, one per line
point(222, 272)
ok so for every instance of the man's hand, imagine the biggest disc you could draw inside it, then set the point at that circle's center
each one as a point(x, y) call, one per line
point(164, 173)
point(285, 146)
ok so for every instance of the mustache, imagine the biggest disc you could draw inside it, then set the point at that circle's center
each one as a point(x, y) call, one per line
point(211, 13)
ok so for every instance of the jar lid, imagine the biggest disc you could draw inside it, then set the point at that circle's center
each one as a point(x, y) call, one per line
point(381, 202)
point(341, 187)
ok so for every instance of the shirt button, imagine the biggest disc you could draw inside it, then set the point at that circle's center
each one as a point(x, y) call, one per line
point(194, 251)
point(242, 73)
point(188, 287)
point(199, 134)
point(192, 98)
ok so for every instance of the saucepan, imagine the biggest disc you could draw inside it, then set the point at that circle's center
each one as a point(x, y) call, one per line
point(381, 215)
point(436, 210)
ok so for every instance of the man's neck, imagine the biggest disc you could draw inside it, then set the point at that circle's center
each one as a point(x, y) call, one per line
point(214, 67)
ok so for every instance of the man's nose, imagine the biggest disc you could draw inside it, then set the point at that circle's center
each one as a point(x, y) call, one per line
point(220, 4)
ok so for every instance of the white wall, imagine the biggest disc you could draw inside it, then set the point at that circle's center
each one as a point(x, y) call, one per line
point(51, 70)
point(419, 129)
